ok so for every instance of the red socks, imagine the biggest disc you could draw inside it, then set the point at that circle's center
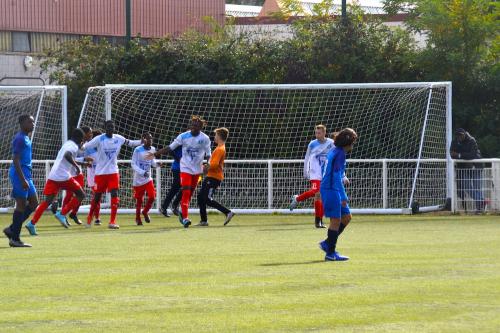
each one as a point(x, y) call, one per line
point(39, 211)
point(318, 208)
point(138, 204)
point(114, 209)
point(186, 197)
point(306, 195)
point(73, 203)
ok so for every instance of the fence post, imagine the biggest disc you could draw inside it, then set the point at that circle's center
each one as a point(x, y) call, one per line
point(452, 186)
point(158, 187)
point(384, 184)
point(269, 184)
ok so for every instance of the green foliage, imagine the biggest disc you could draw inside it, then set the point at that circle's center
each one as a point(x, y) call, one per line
point(463, 47)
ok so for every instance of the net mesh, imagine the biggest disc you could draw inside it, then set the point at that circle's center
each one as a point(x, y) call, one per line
point(277, 123)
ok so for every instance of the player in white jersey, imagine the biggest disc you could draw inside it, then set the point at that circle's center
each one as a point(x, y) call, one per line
point(143, 182)
point(314, 163)
point(82, 159)
point(61, 178)
point(107, 177)
point(195, 148)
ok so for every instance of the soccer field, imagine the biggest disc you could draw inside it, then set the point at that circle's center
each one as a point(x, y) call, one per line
point(259, 274)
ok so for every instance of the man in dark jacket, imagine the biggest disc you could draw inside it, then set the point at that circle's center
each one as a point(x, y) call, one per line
point(469, 175)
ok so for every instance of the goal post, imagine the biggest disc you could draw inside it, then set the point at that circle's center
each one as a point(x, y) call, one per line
point(48, 106)
point(399, 162)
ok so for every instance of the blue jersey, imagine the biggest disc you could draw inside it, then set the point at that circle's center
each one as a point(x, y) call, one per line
point(334, 172)
point(21, 146)
point(177, 152)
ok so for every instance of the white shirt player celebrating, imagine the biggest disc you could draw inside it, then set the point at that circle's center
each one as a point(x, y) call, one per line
point(107, 177)
point(314, 163)
point(143, 182)
point(195, 148)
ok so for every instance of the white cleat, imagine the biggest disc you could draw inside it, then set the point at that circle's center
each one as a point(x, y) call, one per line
point(294, 202)
point(113, 226)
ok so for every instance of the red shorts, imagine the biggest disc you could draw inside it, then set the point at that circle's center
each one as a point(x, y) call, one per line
point(52, 187)
point(106, 183)
point(148, 188)
point(315, 184)
point(189, 180)
point(80, 179)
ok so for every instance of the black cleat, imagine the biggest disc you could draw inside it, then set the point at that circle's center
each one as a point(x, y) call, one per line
point(8, 233)
point(75, 219)
point(138, 222)
point(147, 219)
point(176, 211)
point(164, 212)
point(18, 243)
point(319, 223)
point(97, 222)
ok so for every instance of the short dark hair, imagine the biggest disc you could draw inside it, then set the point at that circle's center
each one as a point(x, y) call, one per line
point(22, 118)
point(77, 134)
point(86, 129)
point(199, 119)
point(96, 132)
point(146, 134)
point(346, 137)
point(222, 132)
point(109, 122)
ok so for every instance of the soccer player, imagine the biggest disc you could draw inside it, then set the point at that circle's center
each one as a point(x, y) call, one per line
point(61, 177)
point(23, 189)
point(107, 177)
point(91, 175)
point(215, 175)
point(195, 146)
point(143, 183)
point(335, 200)
point(175, 189)
point(82, 159)
point(314, 163)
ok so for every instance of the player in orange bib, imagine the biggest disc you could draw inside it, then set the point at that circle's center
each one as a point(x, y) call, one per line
point(215, 175)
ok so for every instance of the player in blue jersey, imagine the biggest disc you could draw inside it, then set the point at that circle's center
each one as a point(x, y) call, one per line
point(175, 192)
point(335, 200)
point(23, 189)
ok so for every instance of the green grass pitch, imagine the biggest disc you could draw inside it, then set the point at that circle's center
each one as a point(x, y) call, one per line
point(424, 273)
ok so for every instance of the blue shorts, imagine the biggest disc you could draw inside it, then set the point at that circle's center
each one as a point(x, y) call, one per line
point(17, 188)
point(332, 205)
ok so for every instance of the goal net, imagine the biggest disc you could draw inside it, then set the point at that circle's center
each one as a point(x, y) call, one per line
point(399, 159)
point(47, 105)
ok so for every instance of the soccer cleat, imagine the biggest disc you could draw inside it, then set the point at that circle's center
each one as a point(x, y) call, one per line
point(203, 224)
point(31, 228)
point(186, 223)
point(229, 216)
point(319, 224)
point(147, 219)
point(335, 256)
point(8, 233)
point(62, 219)
point(97, 222)
point(294, 202)
point(176, 211)
point(180, 218)
point(164, 212)
point(113, 226)
point(18, 243)
point(138, 222)
point(323, 246)
point(67, 222)
point(75, 219)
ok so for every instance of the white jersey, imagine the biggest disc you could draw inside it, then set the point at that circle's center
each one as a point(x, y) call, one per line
point(62, 170)
point(315, 159)
point(142, 165)
point(92, 153)
point(194, 150)
point(108, 150)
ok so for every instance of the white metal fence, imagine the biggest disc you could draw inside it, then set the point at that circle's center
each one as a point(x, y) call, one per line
point(376, 186)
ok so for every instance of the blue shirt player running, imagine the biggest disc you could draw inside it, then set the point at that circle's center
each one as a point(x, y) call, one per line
point(333, 195)
point(23, 189)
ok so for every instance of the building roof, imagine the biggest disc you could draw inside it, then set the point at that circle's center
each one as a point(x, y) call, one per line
point(242, 10)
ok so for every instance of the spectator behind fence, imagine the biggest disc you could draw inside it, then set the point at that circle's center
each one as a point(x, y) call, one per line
point(468, 175)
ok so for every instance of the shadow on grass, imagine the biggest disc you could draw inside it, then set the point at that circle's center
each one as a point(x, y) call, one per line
point(274, 264)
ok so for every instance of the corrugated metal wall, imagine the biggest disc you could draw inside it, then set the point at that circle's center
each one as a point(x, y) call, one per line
point(150, 18)
point(5, 41)
point(42, 40)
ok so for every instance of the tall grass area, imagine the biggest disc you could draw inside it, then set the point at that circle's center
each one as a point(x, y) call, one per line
point(259, 274)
